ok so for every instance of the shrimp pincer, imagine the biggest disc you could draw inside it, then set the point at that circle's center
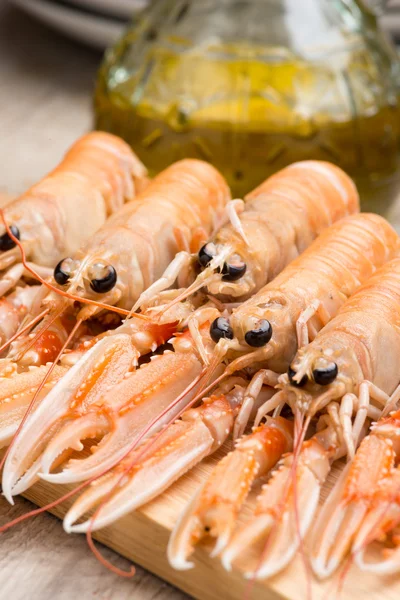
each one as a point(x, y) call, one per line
point(16, 391)
point(143, 475)
point(97, 175)
point(104, 397)
point(267, 329)
point(376, 545)
point(340, 368)
point(277, 222)
point(214, 509)
point(273, 526)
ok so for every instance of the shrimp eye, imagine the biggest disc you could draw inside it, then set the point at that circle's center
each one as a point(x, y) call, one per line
point(260, 336)
point(6, 243)
point(62, 272)
point(325, 375)
point(206, 254)
point(105, 280)
point(221, 329)
point(233, 271)
point(291, 373)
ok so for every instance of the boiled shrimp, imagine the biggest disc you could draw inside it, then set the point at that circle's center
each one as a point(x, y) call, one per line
point(97, 175)
point(180, 206)
point(267, 329)
point(106, 397)
point(352, 364)
point(277, 222)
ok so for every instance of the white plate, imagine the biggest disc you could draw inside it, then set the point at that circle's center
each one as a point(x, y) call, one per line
point(117, 8)
point(85, 26)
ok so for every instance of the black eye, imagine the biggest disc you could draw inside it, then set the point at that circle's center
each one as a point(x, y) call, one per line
point(233, 271)
point(206, 254)
point(6, 243)
point(260, 336)
point(105, 284)
point(326, 375)
point(61, 273)
point(220, 328)
point(291, 373)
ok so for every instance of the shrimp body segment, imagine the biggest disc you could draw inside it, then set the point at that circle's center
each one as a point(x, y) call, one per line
point(277, 221)
point(54, 217)
point(267, 329)
point(349, 370)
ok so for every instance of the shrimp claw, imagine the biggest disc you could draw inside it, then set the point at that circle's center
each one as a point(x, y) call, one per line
point(214, 509)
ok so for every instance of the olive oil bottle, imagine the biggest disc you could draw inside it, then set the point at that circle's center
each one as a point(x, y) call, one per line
point(253, 85)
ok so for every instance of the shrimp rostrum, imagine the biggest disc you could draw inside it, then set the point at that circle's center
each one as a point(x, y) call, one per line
point(267, 329)
point(277, 221)
point(347, 374)
point(55, 216)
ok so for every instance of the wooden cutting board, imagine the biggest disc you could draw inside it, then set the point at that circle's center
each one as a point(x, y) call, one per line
point(142, 536)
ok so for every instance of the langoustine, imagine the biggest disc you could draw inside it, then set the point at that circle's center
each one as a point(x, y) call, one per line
point(347, 371)
point(267, 329)
point(135, 245)
point(277, 221)
point(341, 265)
point(132, 249)
point(105, 397)
point(97, 175)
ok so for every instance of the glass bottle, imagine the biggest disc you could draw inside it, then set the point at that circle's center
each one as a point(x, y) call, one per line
point(253, 85)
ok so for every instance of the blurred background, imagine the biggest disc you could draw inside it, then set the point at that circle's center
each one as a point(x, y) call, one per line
point(250, 85)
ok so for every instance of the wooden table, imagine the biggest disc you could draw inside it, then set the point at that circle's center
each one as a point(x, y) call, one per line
point(45, 104)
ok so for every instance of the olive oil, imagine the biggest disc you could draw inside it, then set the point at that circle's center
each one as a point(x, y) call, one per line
point(251, 109)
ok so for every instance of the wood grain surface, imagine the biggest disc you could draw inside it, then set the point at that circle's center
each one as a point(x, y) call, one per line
point(143, 535)
point(46, 87)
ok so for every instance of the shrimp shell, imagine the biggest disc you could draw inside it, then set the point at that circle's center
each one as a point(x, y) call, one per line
point(281, 218)
point(328, 272)
point(180, 206)
point(55, 216)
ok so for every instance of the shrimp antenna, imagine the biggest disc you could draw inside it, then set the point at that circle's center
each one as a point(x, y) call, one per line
point(27, 327)
point(39, 389)
point(204, 278)
point(51, 287)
